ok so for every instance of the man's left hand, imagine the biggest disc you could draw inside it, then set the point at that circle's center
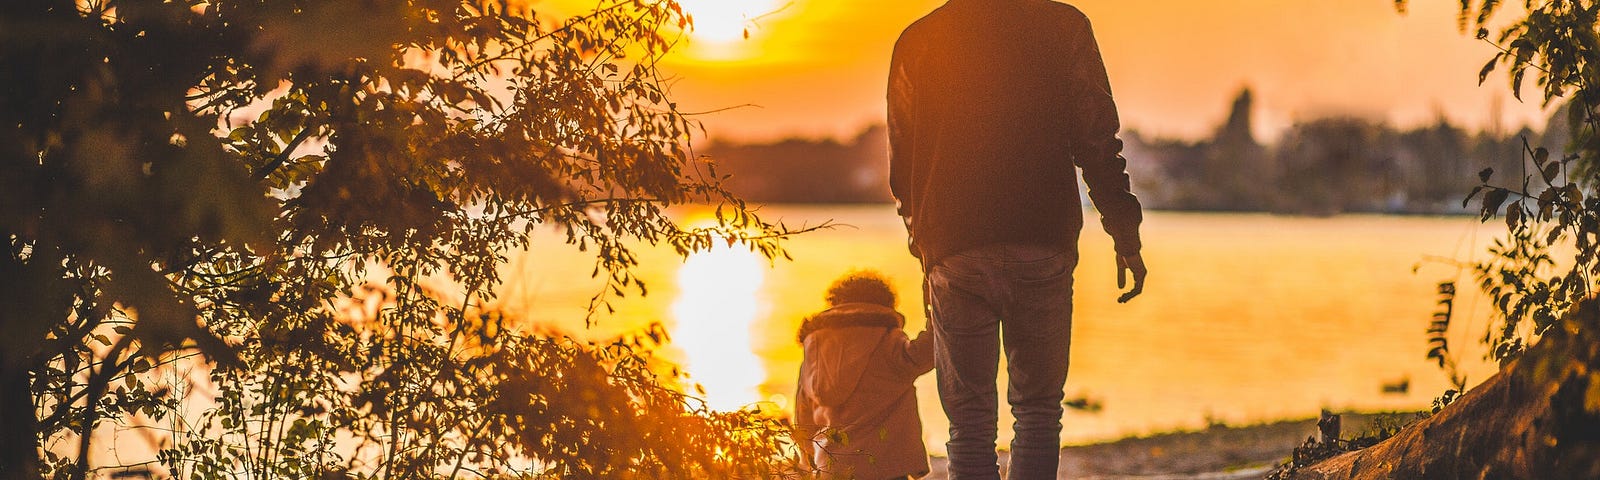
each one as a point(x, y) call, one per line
point(1126, 263)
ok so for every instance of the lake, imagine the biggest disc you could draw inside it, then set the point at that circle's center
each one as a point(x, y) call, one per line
point(1245, 317)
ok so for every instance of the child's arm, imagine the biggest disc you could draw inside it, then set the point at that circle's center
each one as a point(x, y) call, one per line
point(917, 356)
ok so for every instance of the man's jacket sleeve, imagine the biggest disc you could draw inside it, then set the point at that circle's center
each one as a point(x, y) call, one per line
point(901, 136)
point(1098, 151)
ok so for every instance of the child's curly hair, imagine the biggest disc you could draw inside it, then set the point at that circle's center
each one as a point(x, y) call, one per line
point(861, 286)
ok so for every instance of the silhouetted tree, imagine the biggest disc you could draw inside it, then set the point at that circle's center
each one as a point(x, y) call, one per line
point(1236, 167)
point(1172, 171)
point(1433, 162)
point(808, 171)
point(1336, 165)
point(215, 177)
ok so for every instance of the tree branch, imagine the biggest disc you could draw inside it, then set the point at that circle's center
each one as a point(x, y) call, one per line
point(283, 156)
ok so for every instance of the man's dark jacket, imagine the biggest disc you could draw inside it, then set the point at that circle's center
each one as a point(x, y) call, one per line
point(991, 103)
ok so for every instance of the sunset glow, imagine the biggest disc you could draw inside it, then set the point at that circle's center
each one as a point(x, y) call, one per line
point(817, 68)
point(724, 30)
point(714, 311)
point(724, 20)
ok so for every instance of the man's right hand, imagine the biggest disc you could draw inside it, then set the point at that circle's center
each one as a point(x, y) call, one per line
point(1134, 263)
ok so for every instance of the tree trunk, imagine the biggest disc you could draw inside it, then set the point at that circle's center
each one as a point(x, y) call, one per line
point(19, 444)
point(33, 296)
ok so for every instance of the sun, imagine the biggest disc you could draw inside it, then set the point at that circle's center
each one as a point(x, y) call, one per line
point(725, 21)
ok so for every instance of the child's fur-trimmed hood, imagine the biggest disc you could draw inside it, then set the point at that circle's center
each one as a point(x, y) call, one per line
point(851, 315)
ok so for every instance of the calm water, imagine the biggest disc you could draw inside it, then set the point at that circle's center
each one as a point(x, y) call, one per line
point(1245, 318)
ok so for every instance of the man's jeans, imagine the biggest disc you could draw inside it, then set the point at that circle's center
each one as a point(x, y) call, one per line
point(1022, 294)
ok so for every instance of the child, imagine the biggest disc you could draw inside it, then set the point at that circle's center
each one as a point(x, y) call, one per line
point(856, 408)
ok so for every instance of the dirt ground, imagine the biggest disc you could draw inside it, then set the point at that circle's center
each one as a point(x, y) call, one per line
point(1219, 453)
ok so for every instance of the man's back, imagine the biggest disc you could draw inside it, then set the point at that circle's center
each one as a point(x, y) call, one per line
point(991, 102)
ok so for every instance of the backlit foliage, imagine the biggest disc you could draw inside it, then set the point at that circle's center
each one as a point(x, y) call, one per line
point(223, 179)
point(1540, 275)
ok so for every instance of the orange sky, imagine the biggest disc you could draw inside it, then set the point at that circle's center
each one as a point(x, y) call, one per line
point(817, 67)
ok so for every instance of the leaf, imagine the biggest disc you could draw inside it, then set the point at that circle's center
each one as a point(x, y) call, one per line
point(1516, 84)
point(1474, 193)
point(1485, 174)
point(1513, 218)
point(1492, 202)
point(1551, 171)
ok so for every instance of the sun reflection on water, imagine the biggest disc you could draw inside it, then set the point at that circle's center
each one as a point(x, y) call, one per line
point(715, 309)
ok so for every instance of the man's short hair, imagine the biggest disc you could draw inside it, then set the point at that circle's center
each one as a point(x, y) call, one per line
point(861, 286)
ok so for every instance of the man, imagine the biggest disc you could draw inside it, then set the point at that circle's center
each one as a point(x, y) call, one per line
point(991, 104)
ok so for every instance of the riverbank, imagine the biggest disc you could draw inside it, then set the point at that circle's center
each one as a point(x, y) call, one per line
point(1217, 453)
